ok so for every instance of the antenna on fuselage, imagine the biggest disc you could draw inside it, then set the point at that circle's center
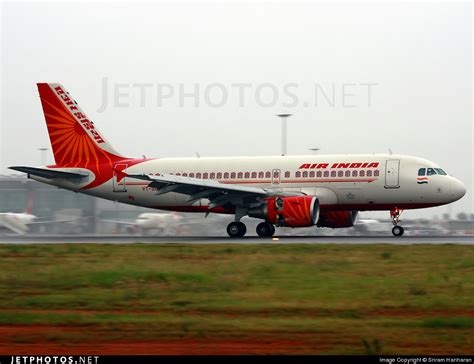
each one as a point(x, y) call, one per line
point(197, 155)
point(390, 151)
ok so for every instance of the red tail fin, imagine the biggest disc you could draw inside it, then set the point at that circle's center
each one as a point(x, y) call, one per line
point(75, 140)
point(29, 206)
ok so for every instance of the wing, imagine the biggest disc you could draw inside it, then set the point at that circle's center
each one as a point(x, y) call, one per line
point(120, 222)
point(39, 222)
point(218, 193)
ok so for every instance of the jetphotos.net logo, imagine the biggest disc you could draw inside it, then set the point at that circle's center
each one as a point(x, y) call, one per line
point(337, 95)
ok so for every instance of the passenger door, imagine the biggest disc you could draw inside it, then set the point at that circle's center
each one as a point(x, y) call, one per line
point(392, 169)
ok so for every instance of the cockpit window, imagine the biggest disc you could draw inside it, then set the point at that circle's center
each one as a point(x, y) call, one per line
point(421, 171)
point(441, 172)
point(431, 171)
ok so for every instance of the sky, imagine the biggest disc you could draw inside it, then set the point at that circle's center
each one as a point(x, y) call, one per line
point(170, 79)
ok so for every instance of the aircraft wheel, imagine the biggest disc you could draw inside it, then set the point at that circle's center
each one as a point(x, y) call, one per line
point(397, 230)
point(265, 229)
point(236, 229)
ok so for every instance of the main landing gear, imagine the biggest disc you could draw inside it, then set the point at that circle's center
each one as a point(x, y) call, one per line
point(236, 229)
point(265, 229)
point(395, 214)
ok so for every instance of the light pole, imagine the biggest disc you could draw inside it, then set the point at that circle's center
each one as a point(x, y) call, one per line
point(43, 155)
point(284, 118)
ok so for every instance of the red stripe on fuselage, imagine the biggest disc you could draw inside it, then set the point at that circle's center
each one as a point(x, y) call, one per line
point(240, 182)
point(341, 207)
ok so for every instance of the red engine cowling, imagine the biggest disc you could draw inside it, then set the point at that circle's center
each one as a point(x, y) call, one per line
point(295, 211)
point(338, 219)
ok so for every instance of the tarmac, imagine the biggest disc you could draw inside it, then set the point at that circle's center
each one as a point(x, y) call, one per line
point(128, 239)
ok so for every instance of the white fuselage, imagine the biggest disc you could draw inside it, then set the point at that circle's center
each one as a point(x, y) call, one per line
point(341, 182)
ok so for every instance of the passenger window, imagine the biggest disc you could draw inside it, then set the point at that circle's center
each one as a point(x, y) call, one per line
point(212, 175)
point(269, 175)
point(340, 173)
point(369, 173)
point(440, 171)
point(421, 171)
point(347, 173)
point(362, 173)
point(319, 174)
point(185, 174)
point(260, 174)
point(311, 174)
point(219, 175)
point(305, 174)
point(226, 175)
point(354, 173)
point(254, 174)
point(376, 173)
point(232, 175)
point(287, 174)
point(198, 175)
point(431, 171)
point(276, 174)
point(240, 175)
point(205, 175)
point(247, 174)
point(191, 175)
point(333, 173)
point(326, 173)
point(178, 174)
point(298, 174)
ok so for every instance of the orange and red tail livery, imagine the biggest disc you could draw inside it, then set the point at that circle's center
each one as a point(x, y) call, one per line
point(75, 140)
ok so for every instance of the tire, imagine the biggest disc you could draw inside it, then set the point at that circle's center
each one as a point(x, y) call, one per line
point(273, 229)
point(236, 229)
point(265, 230)
point(398, 230)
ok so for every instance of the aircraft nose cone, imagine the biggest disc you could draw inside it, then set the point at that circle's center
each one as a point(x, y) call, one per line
point(458, 190)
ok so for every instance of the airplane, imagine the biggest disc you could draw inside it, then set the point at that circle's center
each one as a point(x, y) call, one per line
point(18, 221)
point(151, 221)
point(287, 191)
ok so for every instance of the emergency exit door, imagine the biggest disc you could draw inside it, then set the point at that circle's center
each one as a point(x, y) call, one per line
point(392, 178)
point(276, 177)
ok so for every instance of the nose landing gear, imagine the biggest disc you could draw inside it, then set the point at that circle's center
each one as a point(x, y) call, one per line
point(395, 214)
point(397, 230)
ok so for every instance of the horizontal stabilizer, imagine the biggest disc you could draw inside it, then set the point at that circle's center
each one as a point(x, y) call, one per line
point(48, 173)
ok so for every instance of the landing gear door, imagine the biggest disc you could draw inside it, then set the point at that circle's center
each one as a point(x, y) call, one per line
point(392, 169)
point(119, 178)
point(276, 177)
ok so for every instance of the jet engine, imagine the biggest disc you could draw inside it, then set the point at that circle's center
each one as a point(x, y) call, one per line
point(338, 219)
point(294, 211)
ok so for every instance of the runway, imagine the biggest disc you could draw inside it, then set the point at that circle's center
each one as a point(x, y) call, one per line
point(123, 239)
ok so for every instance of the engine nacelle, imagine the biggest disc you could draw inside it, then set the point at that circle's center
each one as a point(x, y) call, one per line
point(338, 219)
point(294, 211)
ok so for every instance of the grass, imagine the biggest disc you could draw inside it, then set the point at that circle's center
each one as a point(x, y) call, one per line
point(320, 298)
